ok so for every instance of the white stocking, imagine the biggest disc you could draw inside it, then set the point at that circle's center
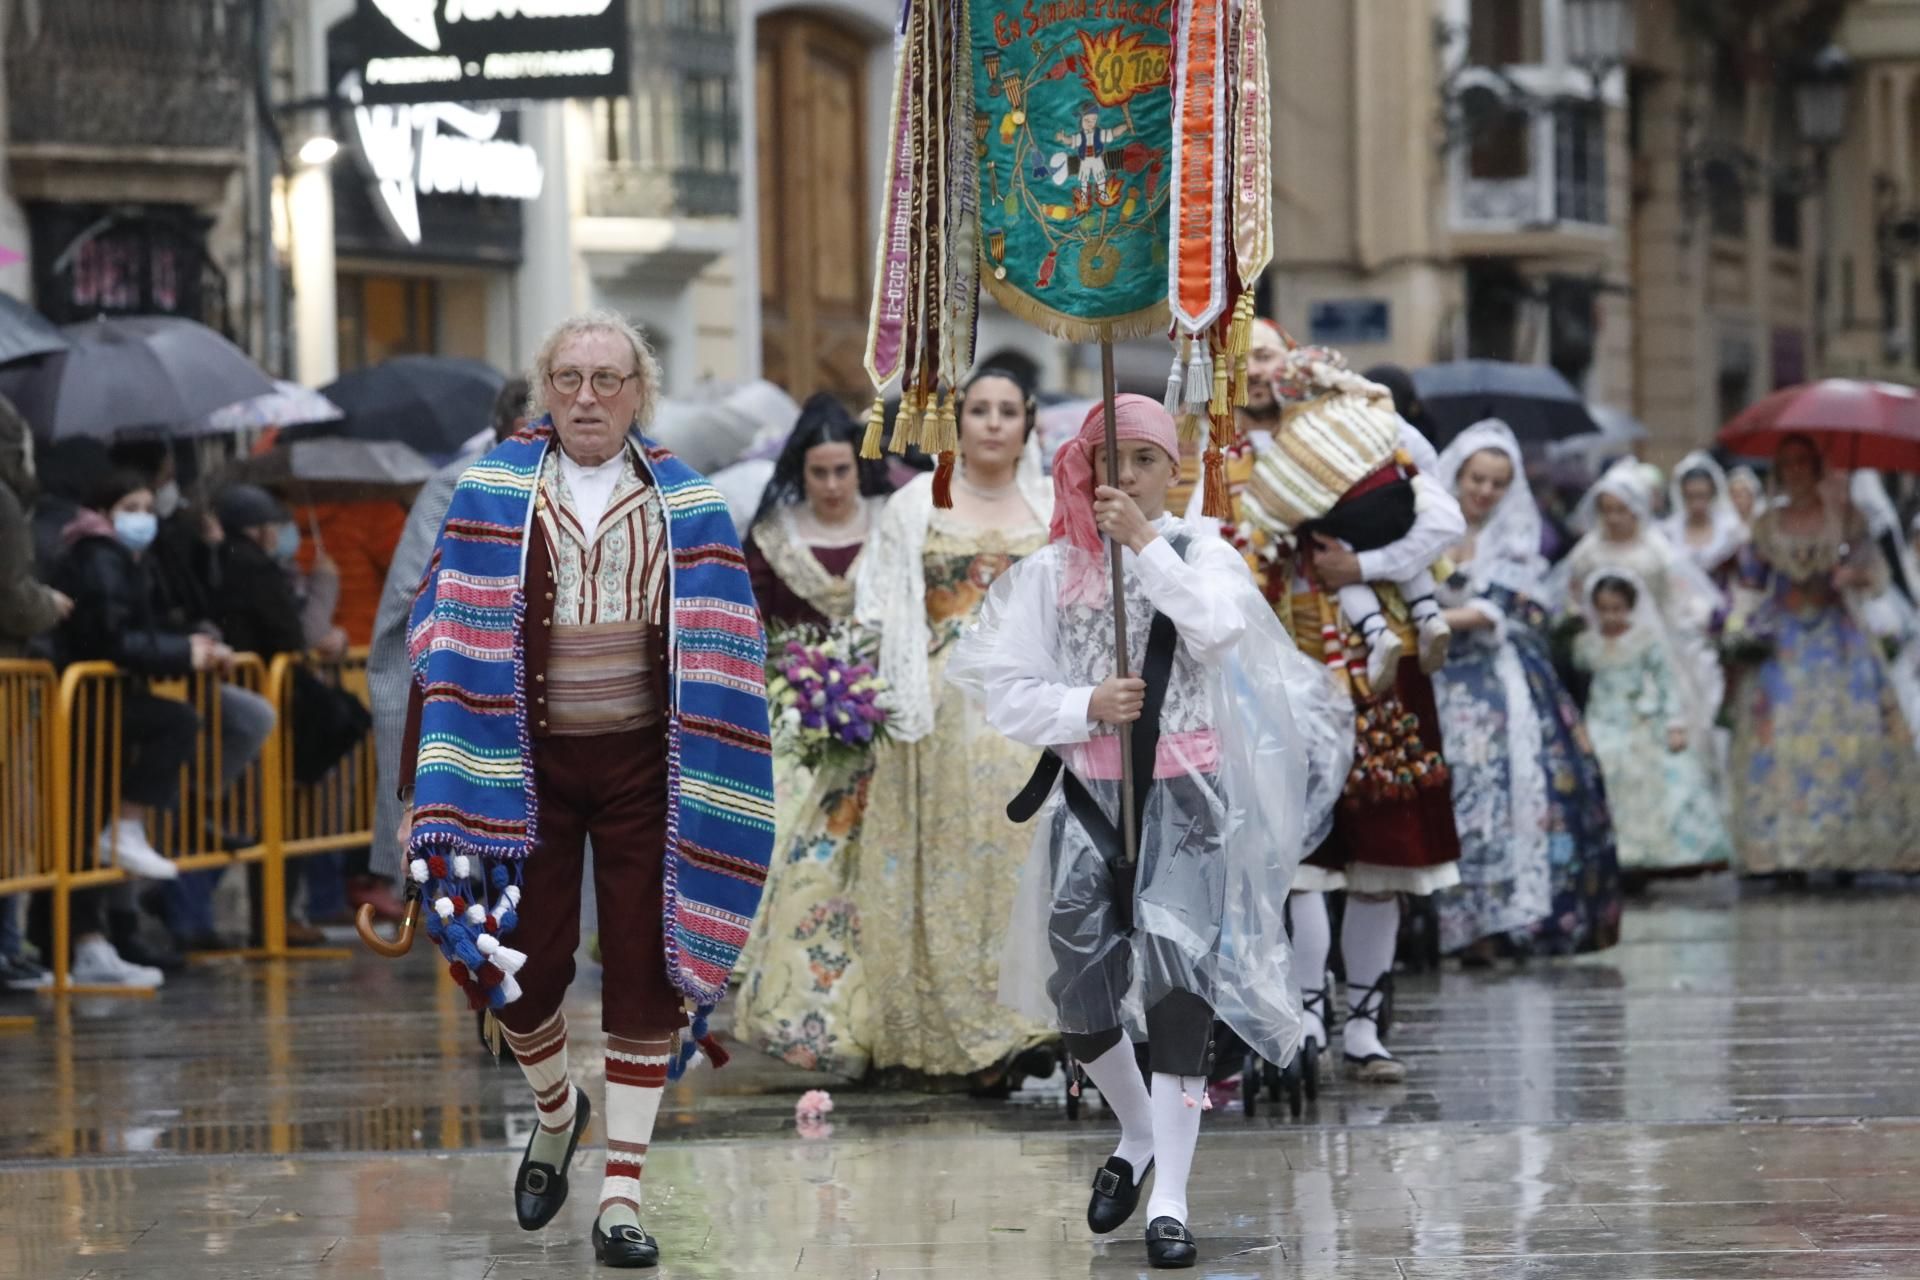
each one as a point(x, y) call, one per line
point(1367, 938)
point(1312, 940)
point(1117, 1075)
point(1176, 1131)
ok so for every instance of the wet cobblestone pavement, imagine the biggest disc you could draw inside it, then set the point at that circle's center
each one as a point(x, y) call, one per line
point(1733, 1092)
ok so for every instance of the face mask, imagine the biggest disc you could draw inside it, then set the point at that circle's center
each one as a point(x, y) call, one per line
point(136, 529)
point(166, 499)
point(286, 541)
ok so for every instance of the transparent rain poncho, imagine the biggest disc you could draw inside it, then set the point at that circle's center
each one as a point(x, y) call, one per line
point(1255, 746)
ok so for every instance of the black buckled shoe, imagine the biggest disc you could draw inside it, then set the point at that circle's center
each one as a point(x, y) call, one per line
point(1116, 1194)
point(540, 1189)
point(625, 1247)
point(1170, 1244)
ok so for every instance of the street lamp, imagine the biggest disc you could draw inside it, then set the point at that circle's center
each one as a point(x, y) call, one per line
point(318, 150)
point(1600, 36)
point(1820, 109)
point(1820, 98)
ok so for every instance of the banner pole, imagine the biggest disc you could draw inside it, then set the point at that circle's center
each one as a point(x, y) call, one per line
point(1130, 841)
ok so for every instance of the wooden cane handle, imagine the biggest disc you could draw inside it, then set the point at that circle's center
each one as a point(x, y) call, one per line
point(402, 941)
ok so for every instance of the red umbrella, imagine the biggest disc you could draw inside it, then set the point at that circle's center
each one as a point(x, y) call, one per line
point(1853, 424)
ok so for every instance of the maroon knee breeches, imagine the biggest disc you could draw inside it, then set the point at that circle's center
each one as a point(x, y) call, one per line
point(611, 788)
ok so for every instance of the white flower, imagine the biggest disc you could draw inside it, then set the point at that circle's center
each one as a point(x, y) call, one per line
point(790, 717)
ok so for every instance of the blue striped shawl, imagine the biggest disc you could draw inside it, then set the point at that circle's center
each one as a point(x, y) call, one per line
point(474, 782)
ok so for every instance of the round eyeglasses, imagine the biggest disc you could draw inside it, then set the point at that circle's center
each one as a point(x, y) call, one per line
point(605, 382)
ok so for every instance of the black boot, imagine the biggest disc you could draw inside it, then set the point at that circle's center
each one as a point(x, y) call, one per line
point(1170, 1245)
point(624, 1247)
point(540, 1189)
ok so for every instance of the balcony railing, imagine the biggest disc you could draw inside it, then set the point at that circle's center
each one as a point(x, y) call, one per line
point(629, 191)
point(1529, 170)
point(129, 73)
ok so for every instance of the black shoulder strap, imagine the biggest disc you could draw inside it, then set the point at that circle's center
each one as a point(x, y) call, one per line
point(1162, 638)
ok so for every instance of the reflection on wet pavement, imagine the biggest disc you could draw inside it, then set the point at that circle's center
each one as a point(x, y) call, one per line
point(1730, 1093)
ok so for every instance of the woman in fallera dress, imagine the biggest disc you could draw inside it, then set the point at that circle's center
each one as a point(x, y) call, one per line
point(803, 996)
point(1824, 774)
point(938, 860)
point(1538, 868)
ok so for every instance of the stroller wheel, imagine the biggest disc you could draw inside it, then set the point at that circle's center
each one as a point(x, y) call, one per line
point(1310, 1068)
point(1250, 1086)
point(1296, 1096)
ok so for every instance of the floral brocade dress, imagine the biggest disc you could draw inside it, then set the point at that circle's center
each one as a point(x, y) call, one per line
point(1824, 774)
point(1537, 858)
point(803, 993)
point(1667, 817)
point(939, 861)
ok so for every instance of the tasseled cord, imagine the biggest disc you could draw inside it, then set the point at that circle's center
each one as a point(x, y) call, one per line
point(699, 1041)
point(1205, 1103)
point(870, 446)
point(1214, 503)
point(943, 482)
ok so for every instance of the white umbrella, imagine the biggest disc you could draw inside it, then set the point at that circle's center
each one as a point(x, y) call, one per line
point(288, 405)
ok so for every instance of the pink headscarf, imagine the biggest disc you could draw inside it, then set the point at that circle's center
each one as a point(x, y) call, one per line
point(1135, 418)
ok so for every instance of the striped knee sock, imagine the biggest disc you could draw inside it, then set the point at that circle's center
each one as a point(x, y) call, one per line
point(542, 1054)
point(636, 1080)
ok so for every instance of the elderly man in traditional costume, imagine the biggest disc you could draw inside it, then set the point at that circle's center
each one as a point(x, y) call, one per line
point(588, 663)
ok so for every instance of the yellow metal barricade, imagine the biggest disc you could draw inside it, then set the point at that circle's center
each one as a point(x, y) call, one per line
point(327, 816)
point(206, 826)
point(28, 699)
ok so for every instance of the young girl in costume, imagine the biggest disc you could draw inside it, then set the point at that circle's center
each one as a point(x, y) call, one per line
point(1239, 753)
point(1651, 740)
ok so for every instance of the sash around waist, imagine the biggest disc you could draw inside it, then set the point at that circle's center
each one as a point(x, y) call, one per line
point(1177, 755)
point(599, 679)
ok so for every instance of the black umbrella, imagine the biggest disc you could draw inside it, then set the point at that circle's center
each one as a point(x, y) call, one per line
point(433, 403)
point(130, 372)
point(1534, 399)
point(25, 333)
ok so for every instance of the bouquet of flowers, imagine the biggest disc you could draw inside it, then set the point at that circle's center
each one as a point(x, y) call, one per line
point(825, 696)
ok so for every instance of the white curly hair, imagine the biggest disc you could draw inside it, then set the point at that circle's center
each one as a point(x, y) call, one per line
point(598, 321)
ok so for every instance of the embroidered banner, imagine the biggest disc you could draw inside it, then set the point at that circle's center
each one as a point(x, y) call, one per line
point(1073, 129)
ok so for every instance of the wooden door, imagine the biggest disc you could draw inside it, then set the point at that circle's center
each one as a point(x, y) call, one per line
point(816, 240)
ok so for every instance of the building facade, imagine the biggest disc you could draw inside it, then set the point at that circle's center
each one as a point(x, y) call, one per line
point(126, 148)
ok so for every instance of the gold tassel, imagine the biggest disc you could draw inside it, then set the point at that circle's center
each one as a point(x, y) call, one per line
point(1222, 384)
point(905, 421)
point(943, 428)
point(876, 429)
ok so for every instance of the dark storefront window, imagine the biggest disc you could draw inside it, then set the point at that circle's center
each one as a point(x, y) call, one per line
point(91, 260)
point(382, 316)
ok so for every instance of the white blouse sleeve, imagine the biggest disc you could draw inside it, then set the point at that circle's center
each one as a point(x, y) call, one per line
point(1199, 594)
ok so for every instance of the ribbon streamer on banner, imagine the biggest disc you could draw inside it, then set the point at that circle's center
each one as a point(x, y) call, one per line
point(1197, 260)
point(887, 316)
